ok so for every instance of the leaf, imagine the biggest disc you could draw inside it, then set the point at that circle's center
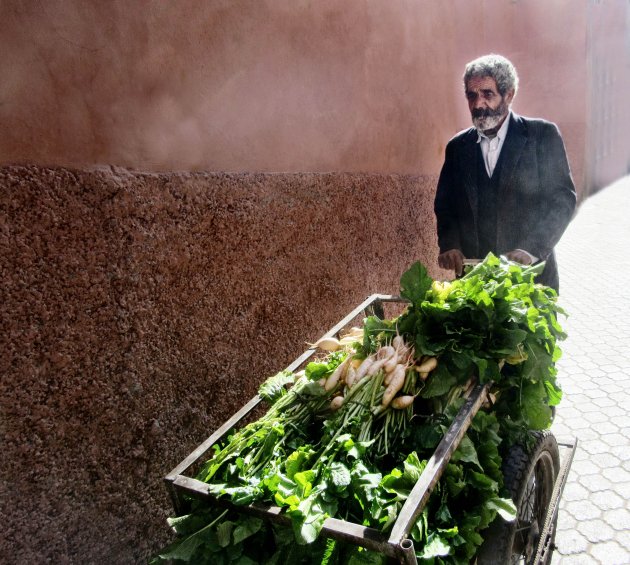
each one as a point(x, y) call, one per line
point(443, 515)
point(392, 481)
point(413, 468)
point(534, 406)
point(182, 550)
point(425, 436)
point(436, 546)
point(244, 560)
point(364, 483)
point(296, 461)
point(304, 480)
point(285, 494)
point(247, 527)
point(439, 382)
point(482, 481)
point(554, 393)
point(339, 475)
point(313, 389)
point(466, 452)
point(537, 363)
point(506, 341)
point(190, 523)
point(315, 370)
point(373, 330)
point(356, 449)
point(504, 507)
point(415, 283)
point(224, 533)
point(454, 478)
point(241, 495)
point(309, 517)
point(273, 387)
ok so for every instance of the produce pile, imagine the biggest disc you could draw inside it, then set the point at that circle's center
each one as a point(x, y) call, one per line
point(349, 435)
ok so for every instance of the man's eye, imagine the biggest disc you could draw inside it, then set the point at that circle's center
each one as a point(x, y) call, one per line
point(488, 94)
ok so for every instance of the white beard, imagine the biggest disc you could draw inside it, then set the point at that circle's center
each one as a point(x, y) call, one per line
point(489, 122)
point(493, 117)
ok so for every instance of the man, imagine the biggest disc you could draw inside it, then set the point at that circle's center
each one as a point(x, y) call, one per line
point(505, 186)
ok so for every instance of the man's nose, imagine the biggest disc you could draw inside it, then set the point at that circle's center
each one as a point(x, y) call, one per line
point(479, 102)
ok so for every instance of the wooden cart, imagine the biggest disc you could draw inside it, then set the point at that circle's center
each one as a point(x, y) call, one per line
point(536, 480)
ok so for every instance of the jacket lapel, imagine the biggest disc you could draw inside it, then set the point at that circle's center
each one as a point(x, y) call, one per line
point(470, 166)
point(511, 151)
point(510, 155)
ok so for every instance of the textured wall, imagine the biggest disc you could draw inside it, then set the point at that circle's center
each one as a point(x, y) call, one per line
point(607, 142)
point(139, 311)
point(225, 85)
point(288, 85)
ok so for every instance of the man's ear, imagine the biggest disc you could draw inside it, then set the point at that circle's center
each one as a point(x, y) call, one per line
point(509, 96)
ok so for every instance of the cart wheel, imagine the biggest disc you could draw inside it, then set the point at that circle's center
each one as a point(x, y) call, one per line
point(529, 477)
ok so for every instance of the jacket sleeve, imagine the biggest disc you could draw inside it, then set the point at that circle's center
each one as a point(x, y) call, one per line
point(556, 202)
point(445, 204)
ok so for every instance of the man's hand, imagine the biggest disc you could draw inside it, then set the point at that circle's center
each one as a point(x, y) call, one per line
point(519, 256)
point(453, 259)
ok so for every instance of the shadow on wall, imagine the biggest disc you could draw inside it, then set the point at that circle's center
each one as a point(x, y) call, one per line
point(141, 310)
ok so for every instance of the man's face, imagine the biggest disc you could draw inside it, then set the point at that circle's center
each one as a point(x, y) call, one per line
point(487, 107)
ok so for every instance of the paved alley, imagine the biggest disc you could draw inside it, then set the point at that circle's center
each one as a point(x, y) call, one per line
point(594, 372)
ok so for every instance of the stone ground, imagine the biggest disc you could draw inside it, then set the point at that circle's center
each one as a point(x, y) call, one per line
point(594, 372)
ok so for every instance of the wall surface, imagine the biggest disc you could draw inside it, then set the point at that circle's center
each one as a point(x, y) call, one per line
point(607, 148)
point(139, 311)
point(230, 85)
point(140, 305)
point(280, 85)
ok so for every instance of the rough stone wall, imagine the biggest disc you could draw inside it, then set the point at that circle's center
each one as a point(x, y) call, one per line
point(139, 311)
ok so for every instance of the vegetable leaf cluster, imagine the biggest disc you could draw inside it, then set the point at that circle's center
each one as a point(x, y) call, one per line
point(360, 462)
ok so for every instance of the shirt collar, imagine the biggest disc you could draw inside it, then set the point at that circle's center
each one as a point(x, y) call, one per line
point(502, 130)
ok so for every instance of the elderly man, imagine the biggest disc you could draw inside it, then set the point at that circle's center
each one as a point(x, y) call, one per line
point(505, 186)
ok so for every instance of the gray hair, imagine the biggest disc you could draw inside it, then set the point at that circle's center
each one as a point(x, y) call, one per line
point(496, 67)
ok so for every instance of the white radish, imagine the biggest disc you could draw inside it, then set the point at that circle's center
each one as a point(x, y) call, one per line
point(336, 403)
point(337, 374)
point(396, 383)
point(385, 352)
point(395, 371)
point(351, 376)
point(427, 365)
point(398, 342)
point(328, 344)
point(363, 368)
point(391, 363)
point(402, 402)
point(348, 340)
point(375, 367)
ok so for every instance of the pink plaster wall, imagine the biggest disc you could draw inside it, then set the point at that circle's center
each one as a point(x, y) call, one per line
point(246, 85)
point(607, 147)
point(224, 85)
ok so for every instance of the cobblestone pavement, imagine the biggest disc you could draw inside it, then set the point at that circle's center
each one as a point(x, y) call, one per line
point(594, 372)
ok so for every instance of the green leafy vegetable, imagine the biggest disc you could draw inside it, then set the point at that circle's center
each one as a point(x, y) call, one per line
point(360, 459)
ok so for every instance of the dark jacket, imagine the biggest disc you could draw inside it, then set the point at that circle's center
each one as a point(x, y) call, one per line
point(535, 193)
